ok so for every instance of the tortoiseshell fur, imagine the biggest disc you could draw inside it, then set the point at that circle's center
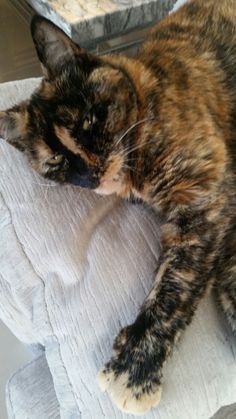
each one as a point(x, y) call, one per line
point(160, 127)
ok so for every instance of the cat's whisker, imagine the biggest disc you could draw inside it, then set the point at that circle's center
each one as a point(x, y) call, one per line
point(44, 184)
point(126, 166)
point(127, 151)
point(46, 194)
point(131, 128)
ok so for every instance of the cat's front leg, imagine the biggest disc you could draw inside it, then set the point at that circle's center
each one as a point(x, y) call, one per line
point(133, 375)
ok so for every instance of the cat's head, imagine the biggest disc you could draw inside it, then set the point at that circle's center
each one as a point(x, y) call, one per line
point(72, 128)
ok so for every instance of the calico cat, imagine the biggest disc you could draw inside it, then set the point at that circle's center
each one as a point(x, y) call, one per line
point(160, 127)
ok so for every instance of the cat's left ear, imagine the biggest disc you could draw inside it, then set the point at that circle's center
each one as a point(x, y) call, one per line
point(53, 46)
point(13, 126)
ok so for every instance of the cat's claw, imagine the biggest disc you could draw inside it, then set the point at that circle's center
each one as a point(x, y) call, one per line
point(129, 399)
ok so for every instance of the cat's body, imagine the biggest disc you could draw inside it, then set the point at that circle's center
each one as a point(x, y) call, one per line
point(160, 127)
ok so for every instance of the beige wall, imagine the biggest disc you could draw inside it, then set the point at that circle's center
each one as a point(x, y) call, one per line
point(17, 56)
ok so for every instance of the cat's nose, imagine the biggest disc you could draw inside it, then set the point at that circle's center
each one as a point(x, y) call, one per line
point(83, 181)
point(82, 174)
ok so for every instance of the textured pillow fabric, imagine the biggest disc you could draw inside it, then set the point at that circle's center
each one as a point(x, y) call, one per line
point(75, 268)
point(30, 392)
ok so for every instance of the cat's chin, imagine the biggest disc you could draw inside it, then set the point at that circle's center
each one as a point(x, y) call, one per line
point(108, 187)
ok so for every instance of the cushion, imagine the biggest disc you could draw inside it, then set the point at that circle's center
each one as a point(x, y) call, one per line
point(75, 268)
point(30, 392)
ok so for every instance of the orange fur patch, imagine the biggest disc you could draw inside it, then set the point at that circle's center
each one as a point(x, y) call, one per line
point(70, 143)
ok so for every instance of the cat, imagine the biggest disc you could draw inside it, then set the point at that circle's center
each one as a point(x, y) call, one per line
point(160, 127)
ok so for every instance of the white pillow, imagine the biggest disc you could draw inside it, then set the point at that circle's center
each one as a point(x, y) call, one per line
point(75, 268)
point(30, 392)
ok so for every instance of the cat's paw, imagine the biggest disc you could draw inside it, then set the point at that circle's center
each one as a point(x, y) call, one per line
point(130, 378)
point(128, 398)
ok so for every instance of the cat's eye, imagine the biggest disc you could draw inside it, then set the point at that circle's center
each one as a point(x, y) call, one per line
point(88, 122)
point(56, 160)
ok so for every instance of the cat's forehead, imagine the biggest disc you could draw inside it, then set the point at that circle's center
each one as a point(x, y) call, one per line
point(106, 75)
point(56, 98)
point(72, 89)
point(109, 83)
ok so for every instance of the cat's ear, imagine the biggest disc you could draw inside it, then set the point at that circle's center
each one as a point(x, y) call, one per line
point(13, 126)
point(53, 46)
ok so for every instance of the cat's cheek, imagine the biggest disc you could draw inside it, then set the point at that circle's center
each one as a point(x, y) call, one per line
point(109, 187)
point(105, 189)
